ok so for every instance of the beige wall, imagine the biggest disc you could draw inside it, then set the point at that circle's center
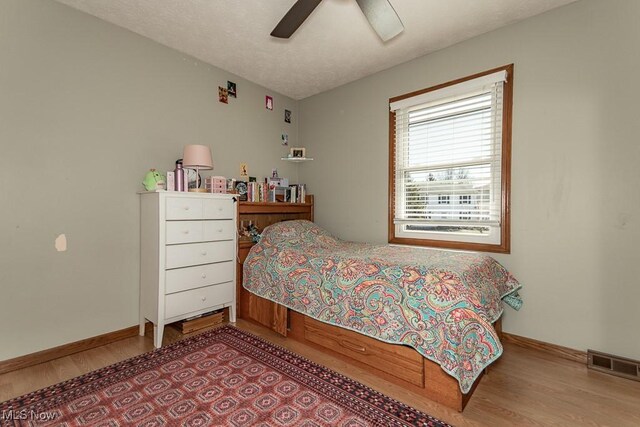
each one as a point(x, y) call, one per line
point(85, 109)
point(576, 157)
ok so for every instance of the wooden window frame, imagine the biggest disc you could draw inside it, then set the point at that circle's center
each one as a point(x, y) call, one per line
point(505, 230)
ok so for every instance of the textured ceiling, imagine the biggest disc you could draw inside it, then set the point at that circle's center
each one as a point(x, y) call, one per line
point(334, 46)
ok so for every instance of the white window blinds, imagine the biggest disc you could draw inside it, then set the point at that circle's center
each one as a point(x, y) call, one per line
point(448, 156)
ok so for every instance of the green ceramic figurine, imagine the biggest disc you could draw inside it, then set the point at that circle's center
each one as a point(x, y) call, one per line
point(154, 181)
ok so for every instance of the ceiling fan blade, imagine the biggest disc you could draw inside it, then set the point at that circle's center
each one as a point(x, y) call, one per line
point(382, 17)
point(294, 18)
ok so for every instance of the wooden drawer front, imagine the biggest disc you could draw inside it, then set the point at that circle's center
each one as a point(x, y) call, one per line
point(197, 299)
point(182, 279)
point(199, 253)
point(218, 209)
point(184, 232)
point(184, 208)
point(219, 230)
point(397, 360)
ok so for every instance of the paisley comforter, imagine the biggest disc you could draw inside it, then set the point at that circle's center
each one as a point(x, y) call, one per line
point(442, 303)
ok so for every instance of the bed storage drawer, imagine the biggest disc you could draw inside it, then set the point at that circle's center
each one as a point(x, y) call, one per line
point(397, 360)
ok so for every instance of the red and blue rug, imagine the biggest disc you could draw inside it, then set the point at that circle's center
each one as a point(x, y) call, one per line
point(223, 377)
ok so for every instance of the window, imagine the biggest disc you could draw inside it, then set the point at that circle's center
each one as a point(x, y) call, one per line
point(450, 151)
point(465, 199)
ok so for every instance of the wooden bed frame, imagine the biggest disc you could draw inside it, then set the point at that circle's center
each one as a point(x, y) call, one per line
point(395, 363)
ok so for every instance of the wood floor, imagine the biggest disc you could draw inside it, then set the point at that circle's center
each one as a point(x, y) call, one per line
point(525, 387)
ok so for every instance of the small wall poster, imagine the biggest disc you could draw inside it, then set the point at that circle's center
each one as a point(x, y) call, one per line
point(268, 101)
point(231, 89)
point(287, 116)
point(223, 95)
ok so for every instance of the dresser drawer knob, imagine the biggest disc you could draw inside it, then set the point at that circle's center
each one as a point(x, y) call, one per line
point(204, 276)
point(204, 253)
point(219, 230)
point(186, 208)
point(186, 231)
point(220, 208)
point(204, 299)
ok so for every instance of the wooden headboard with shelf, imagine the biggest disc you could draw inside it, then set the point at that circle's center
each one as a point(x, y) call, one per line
point(263, 214)
point(249, 306)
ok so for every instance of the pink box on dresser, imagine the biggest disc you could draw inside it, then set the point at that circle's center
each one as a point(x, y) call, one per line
point(216, 184)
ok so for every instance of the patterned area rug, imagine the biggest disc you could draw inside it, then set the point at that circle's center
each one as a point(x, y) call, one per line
point(223, 377)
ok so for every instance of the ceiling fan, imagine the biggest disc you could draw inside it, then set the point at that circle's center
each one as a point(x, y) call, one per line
point(380, 14)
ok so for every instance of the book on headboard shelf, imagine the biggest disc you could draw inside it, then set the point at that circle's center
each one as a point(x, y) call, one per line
point(294, 193)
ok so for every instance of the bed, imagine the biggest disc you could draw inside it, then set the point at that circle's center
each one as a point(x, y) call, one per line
point(408, 312)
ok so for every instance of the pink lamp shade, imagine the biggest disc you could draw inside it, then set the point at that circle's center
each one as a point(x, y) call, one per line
point(197, 156)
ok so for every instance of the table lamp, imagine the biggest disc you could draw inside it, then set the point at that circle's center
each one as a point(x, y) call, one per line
point(198, 157)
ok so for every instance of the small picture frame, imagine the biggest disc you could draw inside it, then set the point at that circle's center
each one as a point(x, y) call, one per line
point(287, 116)
point(223, 95)
point(268, 102)
point(231, 89)
point(298, 153)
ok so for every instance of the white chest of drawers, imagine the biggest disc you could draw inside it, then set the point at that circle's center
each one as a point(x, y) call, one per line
point(187, 257)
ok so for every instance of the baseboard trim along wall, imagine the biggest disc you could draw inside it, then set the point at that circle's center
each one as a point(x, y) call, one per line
point(108, 338)
point(553, 349)
point(66, 349)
